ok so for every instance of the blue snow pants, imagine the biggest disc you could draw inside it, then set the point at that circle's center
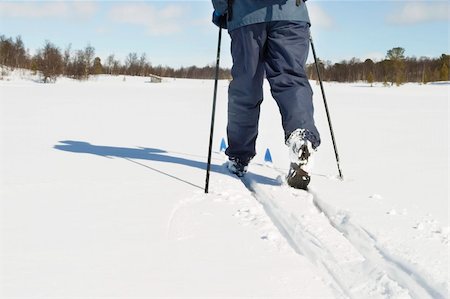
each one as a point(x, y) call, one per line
point(279, 50)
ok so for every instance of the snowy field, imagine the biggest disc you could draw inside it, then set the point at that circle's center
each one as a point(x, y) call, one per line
point(101, 195)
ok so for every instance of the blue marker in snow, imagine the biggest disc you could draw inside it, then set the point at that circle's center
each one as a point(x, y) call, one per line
point(223, 145)
point(268, 157)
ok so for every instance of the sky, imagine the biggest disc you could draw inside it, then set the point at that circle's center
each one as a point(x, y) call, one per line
point(180, 33)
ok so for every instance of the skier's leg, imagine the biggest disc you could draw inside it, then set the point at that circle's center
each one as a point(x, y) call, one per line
point(287, 51)
point(245, 92)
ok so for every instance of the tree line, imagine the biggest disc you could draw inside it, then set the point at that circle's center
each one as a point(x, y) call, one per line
point(51, 62)
point(394, 69)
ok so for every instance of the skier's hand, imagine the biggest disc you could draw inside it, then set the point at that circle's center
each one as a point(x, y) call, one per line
point(219, 20)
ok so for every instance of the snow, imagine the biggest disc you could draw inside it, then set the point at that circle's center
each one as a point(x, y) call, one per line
point(101, 195)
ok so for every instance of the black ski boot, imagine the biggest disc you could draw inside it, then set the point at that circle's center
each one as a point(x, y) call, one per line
point(237, 166)
point(300, 151)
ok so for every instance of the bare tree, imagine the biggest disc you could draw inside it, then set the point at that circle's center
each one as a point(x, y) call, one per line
point(19, 53)
point(117, 68)
point(142, 64)
point(79, 66)
point(49, 62)
point(66, 60)
point(109, 64)
point(132, 64)
point(6, 51)
point(89, 53)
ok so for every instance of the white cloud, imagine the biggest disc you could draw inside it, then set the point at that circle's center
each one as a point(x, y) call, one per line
point(57, 9)
point(413, 13)
point(319, 17)
point(85, 8)
point(32, 10)
point(156, 21)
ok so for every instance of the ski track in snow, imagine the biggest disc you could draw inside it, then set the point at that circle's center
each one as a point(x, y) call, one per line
point(366, 243)
point(350, 259)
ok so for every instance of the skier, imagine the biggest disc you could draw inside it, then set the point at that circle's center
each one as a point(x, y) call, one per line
point(269, 38)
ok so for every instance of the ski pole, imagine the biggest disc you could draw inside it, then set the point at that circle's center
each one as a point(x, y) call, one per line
point(326, 108)
point(213, 114)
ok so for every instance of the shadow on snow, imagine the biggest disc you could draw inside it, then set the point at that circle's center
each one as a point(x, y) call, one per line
point(149, 154)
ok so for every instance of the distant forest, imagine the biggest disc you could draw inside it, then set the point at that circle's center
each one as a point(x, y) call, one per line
point(51, 62)
point(394, 69)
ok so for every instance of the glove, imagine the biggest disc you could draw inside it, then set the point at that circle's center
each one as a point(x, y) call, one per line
point(220, 20)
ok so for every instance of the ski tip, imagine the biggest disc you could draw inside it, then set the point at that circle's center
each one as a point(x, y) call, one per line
point(223, 145)
point(268, 157)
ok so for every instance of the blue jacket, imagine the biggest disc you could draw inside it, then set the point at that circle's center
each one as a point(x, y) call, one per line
point(247, 12)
